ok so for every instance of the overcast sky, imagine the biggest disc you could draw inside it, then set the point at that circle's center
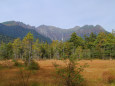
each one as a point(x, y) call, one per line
point(61, 13)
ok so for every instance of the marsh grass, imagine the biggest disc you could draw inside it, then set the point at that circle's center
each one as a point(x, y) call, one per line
point(10, 76)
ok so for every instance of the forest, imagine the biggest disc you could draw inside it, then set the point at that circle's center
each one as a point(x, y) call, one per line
point(101, 46)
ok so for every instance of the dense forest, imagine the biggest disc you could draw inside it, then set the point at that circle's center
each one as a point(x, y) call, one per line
point(6, 39)
point(101, 46)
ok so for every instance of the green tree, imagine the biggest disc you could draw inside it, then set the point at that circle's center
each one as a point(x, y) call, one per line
point(27, 46)
point(54, 49)
point(36, 49)
point(44, 51)
point(76, 40)
point(61, 49)
point(100, 43)
point(110, 46)
point(68, 49)
point(89, 40)
point(17, 48)
point(78, 52)
point(6, 51)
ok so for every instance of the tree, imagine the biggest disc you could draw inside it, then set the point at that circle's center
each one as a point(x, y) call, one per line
point(36, 49)
point(44, 51)
point(27, 45)
point(17, 48)
point(110, 45)
point(76, 40)
point(6, 51)
point(78, 52)
point(68, 49)
point(89, 41)
point(60, 49)
point(100, 43)
point(54, 49)
point(3, 51)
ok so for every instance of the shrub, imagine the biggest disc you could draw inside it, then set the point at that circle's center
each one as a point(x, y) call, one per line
point(108, 77)
point(17, 64)
point(22, 78)
point(70, 75)
point(33, 65)
point(35, 84)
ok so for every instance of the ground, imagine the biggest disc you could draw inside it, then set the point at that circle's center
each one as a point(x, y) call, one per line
point(98, 73)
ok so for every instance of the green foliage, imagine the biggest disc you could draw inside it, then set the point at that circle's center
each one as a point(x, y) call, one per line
point(89, 41)
point(27, 47)
point(76, 40)
point(70, 75)
point(33, 65)
point(17, 48)
point(18, 64)
point(101, 46)
point(78, 52)
point(35, 84)
point(6, 51)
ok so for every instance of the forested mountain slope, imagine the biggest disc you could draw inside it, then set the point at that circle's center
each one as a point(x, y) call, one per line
point(16, 31)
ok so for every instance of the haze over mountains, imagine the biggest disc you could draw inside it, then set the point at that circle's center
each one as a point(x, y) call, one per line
point(44, 32)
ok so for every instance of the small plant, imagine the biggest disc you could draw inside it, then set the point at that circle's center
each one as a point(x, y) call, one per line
point(1, 67)
point(22, 78)
point(108, 77)
point(33, 65)
point(17, 64)
point(70, 75)
point(35, 84)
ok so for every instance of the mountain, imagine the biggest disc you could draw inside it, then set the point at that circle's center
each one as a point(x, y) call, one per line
point(18, 31)
point(55, 33)
point(18, 23)
point(44, 32)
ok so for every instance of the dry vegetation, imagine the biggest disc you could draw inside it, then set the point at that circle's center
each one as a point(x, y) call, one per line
point(99, 73)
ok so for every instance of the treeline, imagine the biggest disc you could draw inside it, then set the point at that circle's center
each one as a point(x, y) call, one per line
point(5, 38)
point(101, 46)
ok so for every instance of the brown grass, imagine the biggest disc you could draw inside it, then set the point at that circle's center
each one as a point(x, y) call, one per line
point(95, 75)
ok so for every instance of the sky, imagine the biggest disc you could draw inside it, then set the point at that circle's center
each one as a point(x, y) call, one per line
point(60, 13)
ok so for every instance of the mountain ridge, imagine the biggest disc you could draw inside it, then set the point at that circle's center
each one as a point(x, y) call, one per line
point(17, 31)
point(56, 33)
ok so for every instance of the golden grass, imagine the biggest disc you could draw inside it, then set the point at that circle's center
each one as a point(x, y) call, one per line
point(46, 75)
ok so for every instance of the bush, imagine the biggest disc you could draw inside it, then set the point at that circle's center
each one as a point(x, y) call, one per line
point(70, 75)
point(17, 64)
point(35, 84)
point(33, 65)
point(108, 77)
point(22, 78)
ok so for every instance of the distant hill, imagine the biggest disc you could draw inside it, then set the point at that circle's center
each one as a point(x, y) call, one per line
point(18, 23)
point(44, 32)
point(55, 33)
point(18, 31)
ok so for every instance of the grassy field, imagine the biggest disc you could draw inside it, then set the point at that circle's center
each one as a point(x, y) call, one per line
point(99, 73)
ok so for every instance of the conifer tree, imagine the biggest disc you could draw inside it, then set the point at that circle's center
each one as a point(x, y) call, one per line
point(27, 45)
